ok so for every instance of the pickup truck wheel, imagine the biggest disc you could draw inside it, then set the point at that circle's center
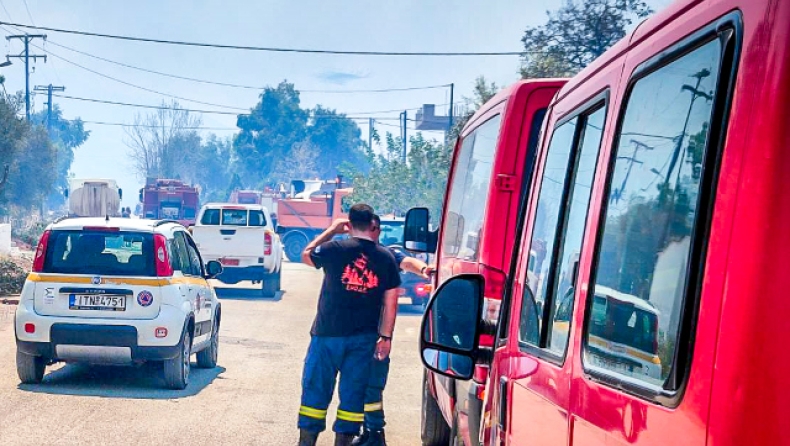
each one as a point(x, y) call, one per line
point(295, 243)
point(271, 284)
point(434, 431)
point(207, 358)
point(29, 368)
point(177, 369)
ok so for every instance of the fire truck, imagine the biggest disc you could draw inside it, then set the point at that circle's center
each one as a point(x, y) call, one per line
point(308, 210)
point(169, 199)
point(267, 198)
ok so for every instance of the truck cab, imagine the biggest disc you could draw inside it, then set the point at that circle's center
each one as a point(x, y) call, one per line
point(489, 177)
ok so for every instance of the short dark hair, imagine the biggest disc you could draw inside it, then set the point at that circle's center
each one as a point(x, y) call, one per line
point(361, 216)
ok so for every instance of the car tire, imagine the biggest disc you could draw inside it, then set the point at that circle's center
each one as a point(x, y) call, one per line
point(434, 431)
point(177, 369)
point(295, 243)
point(30, 368)
point(271, 284)
point(207, 358)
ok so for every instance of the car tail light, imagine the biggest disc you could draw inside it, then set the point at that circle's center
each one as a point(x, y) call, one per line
point(41, 253)
point(160, 332)
point(101, 228)
point(267, 244)
point(163, 266)
point(422, 289)
point(30, 328)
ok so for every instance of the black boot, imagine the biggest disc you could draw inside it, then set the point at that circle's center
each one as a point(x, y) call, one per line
point(344, 439)
point(371, 438)
point(307, 438)
point(362, 440)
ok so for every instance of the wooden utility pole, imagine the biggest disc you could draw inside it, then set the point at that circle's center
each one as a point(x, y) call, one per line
point(26, 38)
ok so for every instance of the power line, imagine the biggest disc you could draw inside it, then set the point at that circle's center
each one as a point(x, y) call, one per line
point(121, 124)
point(139, 87)
point(234, 85)
point(28, 13)
point(6, 10)
point(209, 112)
point(269, 49)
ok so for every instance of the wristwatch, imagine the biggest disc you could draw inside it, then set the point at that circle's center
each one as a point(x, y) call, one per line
point(422, 270)
point(386, 338)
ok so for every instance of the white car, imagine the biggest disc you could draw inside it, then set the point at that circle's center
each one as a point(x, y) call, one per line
point(117, 291)
point(242, 238)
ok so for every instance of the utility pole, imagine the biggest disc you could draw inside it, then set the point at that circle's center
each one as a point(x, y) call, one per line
point(404, 117)
point(450, 114)
point(26, 38)
point(49, 89)
point(370, 133)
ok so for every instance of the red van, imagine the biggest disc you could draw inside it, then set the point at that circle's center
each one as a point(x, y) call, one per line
point(646, 303)
point(490, 173)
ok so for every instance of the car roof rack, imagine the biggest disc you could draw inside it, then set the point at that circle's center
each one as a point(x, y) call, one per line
point(165, 222)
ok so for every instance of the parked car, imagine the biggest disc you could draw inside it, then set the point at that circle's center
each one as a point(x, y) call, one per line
point(118, 291)
point(242, 238)
point(644, 303)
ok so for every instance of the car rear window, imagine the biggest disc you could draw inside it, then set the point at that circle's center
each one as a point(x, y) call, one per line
point(624, 323)
point(100, 253)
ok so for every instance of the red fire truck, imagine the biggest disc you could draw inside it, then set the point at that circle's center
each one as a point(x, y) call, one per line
point(169, 199)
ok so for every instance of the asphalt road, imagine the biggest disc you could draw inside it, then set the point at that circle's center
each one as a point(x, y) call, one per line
point(252, 397)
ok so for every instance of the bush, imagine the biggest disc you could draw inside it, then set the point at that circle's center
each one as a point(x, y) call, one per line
point(13, 273)
point(31, 234)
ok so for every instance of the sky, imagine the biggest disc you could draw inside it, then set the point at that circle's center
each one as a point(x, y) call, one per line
point(359, 25)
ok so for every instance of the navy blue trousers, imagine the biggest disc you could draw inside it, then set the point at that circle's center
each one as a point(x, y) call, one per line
point(350, 356)
point(374, 395)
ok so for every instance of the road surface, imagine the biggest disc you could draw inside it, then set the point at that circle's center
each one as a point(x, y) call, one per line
point(252, 397)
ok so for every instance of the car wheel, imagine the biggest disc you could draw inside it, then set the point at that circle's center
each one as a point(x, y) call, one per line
point(295, 243)
point(271, 284)
point(207, 358)
point(177, 369)
point(29, 368)
point(434, 431)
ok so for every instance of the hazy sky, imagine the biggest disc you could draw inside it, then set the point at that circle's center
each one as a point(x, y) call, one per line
point(406, 25)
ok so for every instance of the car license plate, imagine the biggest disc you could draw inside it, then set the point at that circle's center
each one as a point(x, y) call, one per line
point(97, 302)
point(230, 262)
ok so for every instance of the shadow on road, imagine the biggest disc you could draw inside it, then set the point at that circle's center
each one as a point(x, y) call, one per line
point(141, 382)
point(246, 294)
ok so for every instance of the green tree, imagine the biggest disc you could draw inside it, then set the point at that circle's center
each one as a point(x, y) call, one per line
point(215, 161)
point(12, 132)
point(30, 178)
point(336, 140)
point(392, 186)
point(269, 132)
point(576, 34)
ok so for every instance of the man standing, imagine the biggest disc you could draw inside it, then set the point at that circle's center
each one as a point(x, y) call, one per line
point(354, 323)
point(373, 433)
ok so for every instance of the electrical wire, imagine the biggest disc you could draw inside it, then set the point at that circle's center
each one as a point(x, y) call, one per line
point(121, 124)
point(28, 13)
point(234, 85)
point(268, 49)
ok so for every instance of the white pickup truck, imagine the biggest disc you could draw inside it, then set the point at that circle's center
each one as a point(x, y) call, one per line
point(241, 237)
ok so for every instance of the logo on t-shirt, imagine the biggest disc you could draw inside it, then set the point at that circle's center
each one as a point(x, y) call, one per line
point(357, 277)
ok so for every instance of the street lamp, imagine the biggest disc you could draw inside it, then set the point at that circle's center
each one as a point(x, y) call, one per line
point(6, 63)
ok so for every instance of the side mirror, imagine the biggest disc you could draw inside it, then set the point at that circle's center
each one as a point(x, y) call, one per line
point(213, 269)
point(66, 193)
point(417, 236)
point(120, 194)
point(451, 327)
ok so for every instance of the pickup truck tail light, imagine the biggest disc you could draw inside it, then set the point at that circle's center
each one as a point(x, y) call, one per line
point(163, 266)
point(41, 253)
point(267, 244)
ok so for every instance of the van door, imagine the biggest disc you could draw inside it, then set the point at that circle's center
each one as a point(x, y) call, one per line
point(636, 381)
point(530, 383)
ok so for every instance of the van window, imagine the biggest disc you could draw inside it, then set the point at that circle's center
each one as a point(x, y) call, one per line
point(552, 186)
point(468, 194)
point(100, 253)
point(571, 241)
point(640, 274)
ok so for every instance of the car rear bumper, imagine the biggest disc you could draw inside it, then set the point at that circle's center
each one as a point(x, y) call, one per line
point(114, 344)
point(235, 274)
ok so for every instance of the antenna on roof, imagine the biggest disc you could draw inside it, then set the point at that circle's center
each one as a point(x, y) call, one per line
point(107, 218)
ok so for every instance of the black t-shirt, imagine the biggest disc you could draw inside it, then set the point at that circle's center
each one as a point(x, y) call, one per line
point(357, 272)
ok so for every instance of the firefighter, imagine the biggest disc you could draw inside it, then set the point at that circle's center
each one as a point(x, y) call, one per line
point(373, 428)
point(354, 324)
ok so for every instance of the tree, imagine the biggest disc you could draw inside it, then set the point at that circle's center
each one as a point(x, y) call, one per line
point(576, 34)
point(392, 186)
point(301, 163)
point(269, 132)
point(215, 167)
point(337, 142)
point(160, 141)
point(12, 131)
point(30, 178)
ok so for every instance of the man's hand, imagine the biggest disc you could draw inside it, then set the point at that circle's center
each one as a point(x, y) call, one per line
point(340, 226)
point(429, 271)
point(383, 348)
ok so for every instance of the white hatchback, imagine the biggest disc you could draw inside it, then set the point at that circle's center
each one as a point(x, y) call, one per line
point(117, 291)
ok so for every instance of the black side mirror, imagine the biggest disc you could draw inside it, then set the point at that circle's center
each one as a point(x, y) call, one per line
point(417, 236)
point(451, 327)
point(213, 269)
point(120, 194)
